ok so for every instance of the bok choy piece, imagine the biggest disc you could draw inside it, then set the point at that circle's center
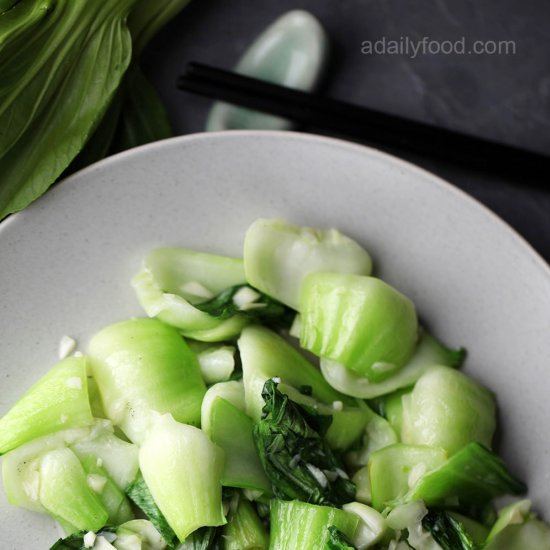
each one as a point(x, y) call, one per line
point(173, 281)
point(337, 540)
point(265, 355)
point(183, 469)
point(448, 532)
point(448, 409)
point(428, 352)
point(295, 455)
point(139, 493)
point(360, 322)
point(244, 529)
point(278, 255)
point(472, 476)
point(142, 366)
point(64, 492)
point(58, 401)
point(231, 429)
point(296, 524)
point(52, 101)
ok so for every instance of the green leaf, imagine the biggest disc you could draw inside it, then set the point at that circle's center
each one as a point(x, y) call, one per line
point(61, 64)
point(139, 493)
point(338, 541)
point(448, 532)
point(205, 538)
point(143, 118)
point(76, 540)
point(474, 475)
point(295, 455)
point(263, 308)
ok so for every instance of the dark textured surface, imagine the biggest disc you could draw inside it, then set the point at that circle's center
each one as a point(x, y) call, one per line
point(503, 96)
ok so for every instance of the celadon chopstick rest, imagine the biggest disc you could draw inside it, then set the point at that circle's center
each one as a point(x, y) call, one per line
point(292, 52)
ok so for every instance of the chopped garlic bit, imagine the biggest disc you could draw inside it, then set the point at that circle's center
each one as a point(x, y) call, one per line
point(294, 461)
point(66, 346)
point(331, 475)
point(245, 297)
point(341, 473)
point(74, 383)
point(99, 462)
point(96, 482)
point(78, 354)
point(89, 539)
point(276, 379)
point(31, 485)
point(196, 289)
point(337, 405)
point(102, 542)
point(319, 476)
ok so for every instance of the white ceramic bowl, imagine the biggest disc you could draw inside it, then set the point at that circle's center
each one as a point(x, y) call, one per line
point(66, 262)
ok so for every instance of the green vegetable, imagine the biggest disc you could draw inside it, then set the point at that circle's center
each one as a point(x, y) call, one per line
point(428, 352)
point(138, 534)
point(396, 468)
point(63, 491)
point(173, 281)
point(139, 493)
point(305, 526)
point(360, 322)
point(517, 528)
point(183, 468)
point(217, 362)
point(118, 457)
point(205, 538)
point(20, 467)
point(76, 540)
point(256, 305)
point(59, 400)
point(448, 409)
point(265, 355)
point(337, 540)
point(449, 533)
point(85, 49)
point(372, 525)
point(473, 475)
point(142, 366)
point(231, 429)
point(111, 496)
point(244, 530)
point(278, 255)
point(55, 57)
point(294, 454)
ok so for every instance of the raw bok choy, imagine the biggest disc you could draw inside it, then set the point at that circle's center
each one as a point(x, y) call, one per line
point(71, 87)
point(225, 433)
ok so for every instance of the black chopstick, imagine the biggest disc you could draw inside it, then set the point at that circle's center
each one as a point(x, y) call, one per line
point(324, 114)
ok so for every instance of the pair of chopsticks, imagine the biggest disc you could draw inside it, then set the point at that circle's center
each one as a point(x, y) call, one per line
point(319, 113)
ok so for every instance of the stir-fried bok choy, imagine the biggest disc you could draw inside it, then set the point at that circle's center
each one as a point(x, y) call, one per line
point(286, 400)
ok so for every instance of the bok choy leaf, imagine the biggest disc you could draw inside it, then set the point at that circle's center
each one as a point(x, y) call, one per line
point(61, 63)
point(295, 454)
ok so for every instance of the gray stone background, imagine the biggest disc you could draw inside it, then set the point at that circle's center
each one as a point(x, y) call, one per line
point(504, 97)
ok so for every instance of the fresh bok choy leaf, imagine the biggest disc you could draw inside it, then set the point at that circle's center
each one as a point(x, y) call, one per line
point(62, 62)
point(295, 455)
point(61, 108)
